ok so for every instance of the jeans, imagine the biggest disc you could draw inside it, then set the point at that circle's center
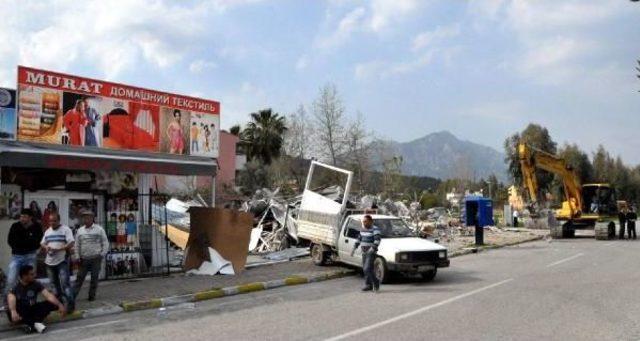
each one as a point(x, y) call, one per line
point(59, 278)
point(370, 279)
point(18, 261)
point(194, 145)
point(92, 265)
point(35, 313)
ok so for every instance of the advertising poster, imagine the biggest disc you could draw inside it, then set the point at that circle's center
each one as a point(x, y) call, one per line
point(39, 114)
point(174, 125)
point(204, 132)
point(81, 112)
point(8, 117)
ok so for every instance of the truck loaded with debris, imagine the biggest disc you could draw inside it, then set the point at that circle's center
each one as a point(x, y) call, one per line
point(332, 229)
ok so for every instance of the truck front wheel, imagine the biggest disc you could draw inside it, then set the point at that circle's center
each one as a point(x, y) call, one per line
point(429, 275)
point(318, 255)
point(381, 271)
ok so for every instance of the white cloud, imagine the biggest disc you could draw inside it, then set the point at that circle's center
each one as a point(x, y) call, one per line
point(427, 38)
point(556, 41)
point(350, 23)
point(384, 12)
point(112, 37)
point(508, 110)
point(201, 65)
point(378, 17)
point(384, 69)
point(554, 60)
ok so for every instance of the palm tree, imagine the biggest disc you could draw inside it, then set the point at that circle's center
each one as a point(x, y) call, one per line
point(263, 136)
point(235, 130)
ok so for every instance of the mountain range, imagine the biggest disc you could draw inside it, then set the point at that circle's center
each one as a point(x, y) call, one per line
point(442, 155)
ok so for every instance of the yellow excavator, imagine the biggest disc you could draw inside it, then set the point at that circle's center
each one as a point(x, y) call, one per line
point(588, 206)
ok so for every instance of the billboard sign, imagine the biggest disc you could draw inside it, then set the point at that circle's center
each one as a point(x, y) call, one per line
point(66, 109)
point(7, 114)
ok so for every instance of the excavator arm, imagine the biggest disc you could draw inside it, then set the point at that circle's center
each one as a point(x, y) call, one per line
point(532, 158)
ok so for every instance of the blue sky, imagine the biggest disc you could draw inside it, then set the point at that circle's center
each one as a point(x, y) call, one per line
point(479, 68)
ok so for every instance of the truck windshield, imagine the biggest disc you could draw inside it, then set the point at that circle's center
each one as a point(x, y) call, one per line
point(393, 228)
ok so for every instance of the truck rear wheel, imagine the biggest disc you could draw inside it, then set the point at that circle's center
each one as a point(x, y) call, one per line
point(318, 255)
point(381, 271)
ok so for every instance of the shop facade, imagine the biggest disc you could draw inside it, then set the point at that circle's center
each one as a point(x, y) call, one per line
point(117, 150)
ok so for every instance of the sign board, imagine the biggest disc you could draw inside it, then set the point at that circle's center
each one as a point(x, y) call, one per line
point(65, 109)
point(7, 114)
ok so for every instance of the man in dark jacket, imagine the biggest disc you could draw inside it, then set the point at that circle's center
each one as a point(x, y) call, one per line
point(622, 219)
point(631, 223)
point(369, 240)
point(24, 239)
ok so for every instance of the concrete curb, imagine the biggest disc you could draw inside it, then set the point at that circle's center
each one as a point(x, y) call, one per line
point(156, 303)
point(230, 291)
point(491, 247)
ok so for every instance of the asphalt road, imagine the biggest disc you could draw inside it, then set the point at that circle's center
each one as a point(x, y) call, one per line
point(578, 289)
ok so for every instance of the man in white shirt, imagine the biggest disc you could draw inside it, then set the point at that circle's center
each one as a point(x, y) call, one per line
point(515, 218)
point(57, 243)
point(91, 246)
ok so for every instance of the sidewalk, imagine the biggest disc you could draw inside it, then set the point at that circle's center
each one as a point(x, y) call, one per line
point(112, 293)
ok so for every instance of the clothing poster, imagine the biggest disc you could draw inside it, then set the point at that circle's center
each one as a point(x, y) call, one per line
point(8, 118)
point(204, 135)
point(145, 126)
point(42, 209)
point(116, 124)
point(39, 114)
point(174, 131)
point(75, 121)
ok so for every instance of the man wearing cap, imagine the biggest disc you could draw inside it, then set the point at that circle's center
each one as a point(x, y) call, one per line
point(24, 239)
point(91, 247)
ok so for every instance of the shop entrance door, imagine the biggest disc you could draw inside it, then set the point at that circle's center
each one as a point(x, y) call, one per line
point(68, 204)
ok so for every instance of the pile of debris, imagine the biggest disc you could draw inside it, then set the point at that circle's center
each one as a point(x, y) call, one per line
point(276, 225)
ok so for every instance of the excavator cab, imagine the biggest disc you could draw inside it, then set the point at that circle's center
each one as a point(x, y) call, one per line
point(599, 199)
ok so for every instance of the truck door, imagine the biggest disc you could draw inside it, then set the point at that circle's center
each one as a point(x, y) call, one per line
point(347, 240)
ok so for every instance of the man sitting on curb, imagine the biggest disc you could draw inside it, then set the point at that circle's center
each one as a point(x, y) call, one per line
point(23, 304)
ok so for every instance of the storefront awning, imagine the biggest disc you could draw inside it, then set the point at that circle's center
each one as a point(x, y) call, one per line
point(32, 155)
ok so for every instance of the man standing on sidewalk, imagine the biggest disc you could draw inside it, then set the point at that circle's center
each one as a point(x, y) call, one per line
point(24, 239)
point(622, 219)
point(369, 240)
point(631, 222)
point(23, 304)
point(91, 245)
point(57, 244)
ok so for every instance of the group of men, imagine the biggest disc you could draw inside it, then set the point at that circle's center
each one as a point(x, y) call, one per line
point(627, 218)
point(26, 239)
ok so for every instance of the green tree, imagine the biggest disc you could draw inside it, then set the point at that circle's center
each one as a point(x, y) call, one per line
point(235, 130)
point(579, 160)
point(603, 165)
point(263, 136)
point(538, 137)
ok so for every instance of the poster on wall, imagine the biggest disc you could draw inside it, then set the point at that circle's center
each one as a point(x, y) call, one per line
point(174, 125)
point(39, 114)
point(204, 133)
point(81, 112)
point(8, 117)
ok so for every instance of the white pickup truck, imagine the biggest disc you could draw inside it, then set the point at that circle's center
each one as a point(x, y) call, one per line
point(332, 231)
